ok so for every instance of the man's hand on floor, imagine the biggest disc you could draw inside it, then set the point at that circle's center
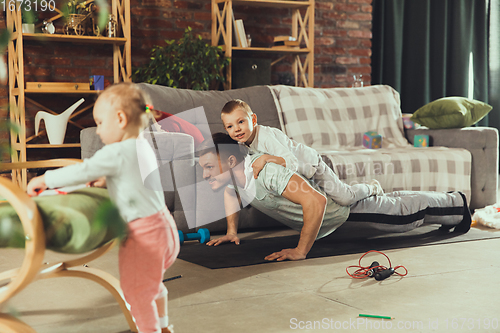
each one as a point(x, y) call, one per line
point(226, 239)
point(290, 254)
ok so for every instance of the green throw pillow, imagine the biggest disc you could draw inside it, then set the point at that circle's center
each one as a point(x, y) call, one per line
point(451, 112)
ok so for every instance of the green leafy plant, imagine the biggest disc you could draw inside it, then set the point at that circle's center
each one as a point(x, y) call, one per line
point(5, 147)
point(75, 7)
point(4, 40)
point(29, 15)
point(188, 63)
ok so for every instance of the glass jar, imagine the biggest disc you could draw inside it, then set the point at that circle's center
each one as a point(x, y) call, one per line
point(357, 80)
point(111, 26)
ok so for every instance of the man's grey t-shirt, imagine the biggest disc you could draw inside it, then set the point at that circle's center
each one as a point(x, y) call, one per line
point(264, 193)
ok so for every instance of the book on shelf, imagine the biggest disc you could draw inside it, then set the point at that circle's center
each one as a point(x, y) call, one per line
point(287, 43)
point(235, 32)
point(241, 33)
point(284, 38)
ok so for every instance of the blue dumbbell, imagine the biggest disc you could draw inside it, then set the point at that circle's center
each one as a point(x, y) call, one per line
point(203, 236)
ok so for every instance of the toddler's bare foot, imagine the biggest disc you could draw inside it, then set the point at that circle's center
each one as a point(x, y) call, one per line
point(169, 329)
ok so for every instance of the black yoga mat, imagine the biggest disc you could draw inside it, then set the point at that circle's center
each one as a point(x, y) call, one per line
point(341, 242)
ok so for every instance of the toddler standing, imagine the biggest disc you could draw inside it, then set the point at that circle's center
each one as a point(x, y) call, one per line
point(152, 243)
point(241, 124)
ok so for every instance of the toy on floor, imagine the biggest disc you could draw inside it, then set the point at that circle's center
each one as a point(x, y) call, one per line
point(488, 216)
point(203, 236)
point(379, 272)
point(172, 278)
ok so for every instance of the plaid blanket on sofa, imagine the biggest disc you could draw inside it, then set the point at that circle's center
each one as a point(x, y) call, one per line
point(333, 122)
point(397, 169)
point(327, 119)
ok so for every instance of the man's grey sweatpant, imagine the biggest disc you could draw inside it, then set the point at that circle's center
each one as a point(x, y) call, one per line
point(339, 191)
point(405, 210)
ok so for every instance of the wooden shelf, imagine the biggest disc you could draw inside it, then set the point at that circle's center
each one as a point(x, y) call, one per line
point(270, 49)
point(16, 92)
point(74, 39)
point(47, 145)
point(269, 3)
point(69, 92)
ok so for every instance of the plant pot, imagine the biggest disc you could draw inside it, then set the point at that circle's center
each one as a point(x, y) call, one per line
point(28, 28)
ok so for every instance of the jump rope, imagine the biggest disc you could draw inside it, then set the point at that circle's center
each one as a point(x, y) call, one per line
point(379, 272)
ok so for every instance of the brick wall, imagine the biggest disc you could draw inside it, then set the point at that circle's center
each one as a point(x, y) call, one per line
point(342, 45)
point(342, 32)
point(343, 42)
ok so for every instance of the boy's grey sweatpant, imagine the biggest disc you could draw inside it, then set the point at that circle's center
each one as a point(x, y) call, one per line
point(340, 192)
point(405, 210)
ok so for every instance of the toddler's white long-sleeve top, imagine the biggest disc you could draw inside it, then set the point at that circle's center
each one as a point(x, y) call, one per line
point(121, 165)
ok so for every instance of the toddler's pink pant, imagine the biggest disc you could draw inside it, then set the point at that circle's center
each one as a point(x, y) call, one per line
point(151, 247)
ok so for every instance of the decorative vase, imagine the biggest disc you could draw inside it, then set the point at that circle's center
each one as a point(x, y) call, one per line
point(28, 28)
point(55, 125)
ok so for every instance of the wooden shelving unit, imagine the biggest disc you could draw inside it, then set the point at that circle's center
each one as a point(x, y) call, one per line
point(302, 30)
point(19, 95)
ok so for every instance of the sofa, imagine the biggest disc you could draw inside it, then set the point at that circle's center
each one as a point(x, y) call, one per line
point(333, 122)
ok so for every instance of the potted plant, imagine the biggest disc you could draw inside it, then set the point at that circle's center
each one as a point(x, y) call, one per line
point(29, 18)
point(73, 7)
point(188, 63)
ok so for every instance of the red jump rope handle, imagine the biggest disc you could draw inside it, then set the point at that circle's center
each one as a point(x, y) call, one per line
point(379, 276)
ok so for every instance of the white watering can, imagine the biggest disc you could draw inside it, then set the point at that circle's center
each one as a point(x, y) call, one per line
point(55, 125)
